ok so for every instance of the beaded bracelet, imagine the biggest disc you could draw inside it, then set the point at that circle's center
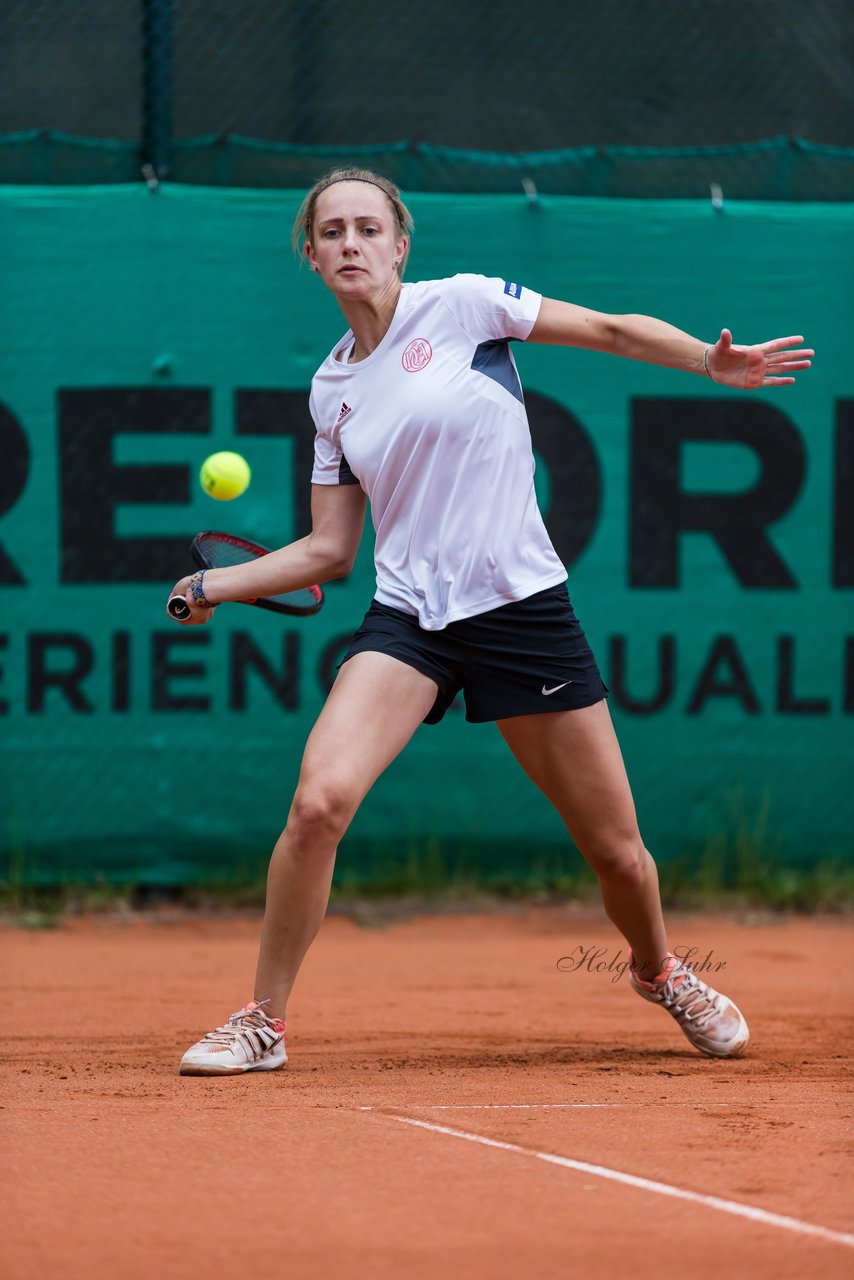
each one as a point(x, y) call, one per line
point(706, 363)
point(197, 590)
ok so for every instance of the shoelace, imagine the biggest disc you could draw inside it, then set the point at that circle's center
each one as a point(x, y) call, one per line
point(235, 1025)
point(689, 998)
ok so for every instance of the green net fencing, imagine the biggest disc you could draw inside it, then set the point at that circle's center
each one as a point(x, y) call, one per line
point(778, 169)
point(708, 536)
point(595, 98)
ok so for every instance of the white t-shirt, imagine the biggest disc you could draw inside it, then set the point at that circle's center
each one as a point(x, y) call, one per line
point(432, 425)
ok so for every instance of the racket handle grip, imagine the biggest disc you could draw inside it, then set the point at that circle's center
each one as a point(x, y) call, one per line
point(178, 608)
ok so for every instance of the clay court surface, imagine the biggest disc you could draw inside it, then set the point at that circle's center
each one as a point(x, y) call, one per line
point(411, 1042)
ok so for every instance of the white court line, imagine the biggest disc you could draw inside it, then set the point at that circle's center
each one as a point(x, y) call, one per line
point(519, 1106)
point(568, 1106)
point(514, 1106)
point(643, 1184)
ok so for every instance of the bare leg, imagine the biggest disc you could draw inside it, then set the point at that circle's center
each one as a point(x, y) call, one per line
point(375, 706)
point(575, 760)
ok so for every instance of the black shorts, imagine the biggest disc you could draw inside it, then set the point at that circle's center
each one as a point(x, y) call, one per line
point(520, 659)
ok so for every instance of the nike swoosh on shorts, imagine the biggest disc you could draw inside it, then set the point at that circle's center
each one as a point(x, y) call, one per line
point(545, 692)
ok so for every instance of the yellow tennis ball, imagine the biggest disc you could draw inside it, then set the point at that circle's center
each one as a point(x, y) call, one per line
point(225, 475)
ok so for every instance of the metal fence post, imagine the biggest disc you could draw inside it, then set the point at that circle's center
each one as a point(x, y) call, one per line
point(157, 85)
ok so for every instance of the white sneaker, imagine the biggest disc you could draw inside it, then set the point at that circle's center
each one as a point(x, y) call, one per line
point(712, 1023)
point(250, 1041)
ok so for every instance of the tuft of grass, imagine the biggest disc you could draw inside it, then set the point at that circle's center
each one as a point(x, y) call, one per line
point(40, 906)
point(739, 867)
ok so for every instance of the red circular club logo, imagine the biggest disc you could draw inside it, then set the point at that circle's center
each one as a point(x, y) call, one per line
point(417, 355)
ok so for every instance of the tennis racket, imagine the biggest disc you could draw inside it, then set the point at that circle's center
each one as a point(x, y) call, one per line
point(211, 550)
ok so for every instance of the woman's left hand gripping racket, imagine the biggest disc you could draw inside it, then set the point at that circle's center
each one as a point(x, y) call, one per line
point(220, 550)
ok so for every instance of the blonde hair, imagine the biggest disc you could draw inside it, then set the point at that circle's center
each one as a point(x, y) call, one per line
point(303, 231)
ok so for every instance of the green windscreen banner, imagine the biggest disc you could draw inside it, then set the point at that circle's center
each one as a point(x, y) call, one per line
point(708, 534)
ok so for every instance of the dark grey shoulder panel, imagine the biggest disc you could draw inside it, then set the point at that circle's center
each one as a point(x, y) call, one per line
point(345, 475)
point(493, 360)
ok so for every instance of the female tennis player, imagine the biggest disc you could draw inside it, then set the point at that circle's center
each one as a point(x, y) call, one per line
point(419, 408)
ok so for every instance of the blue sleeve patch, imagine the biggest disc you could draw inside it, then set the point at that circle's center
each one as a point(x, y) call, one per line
point(514, 290)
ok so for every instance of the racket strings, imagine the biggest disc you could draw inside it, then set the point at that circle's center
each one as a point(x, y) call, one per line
point(224, 551)
point(220, 553)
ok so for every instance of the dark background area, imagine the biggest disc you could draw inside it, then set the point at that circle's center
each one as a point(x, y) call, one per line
point(547, 76)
